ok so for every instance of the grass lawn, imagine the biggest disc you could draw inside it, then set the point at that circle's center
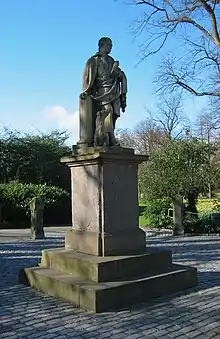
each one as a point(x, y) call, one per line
point(142, 220)
point(203, 205)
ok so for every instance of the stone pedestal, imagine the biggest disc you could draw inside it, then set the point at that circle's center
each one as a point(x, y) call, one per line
point(105, 264)
point(105, 203)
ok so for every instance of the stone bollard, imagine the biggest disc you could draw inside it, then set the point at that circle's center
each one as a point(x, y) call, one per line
point(37, 210)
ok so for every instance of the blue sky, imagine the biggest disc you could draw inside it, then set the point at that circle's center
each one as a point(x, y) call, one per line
point(44, 47)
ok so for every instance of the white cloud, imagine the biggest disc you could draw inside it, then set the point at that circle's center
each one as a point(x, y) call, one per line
point(64, 119)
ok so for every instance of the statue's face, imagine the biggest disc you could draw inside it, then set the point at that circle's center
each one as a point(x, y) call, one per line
point(107, 47)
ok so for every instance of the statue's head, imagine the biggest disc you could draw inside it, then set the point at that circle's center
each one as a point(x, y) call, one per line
point(105, 45)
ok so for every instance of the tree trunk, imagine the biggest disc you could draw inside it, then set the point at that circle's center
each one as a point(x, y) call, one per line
point(210, 191)
point(191, 202)
point(178, 228)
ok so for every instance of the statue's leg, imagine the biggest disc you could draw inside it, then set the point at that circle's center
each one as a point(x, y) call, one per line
point(101, 131)
point(116, 110)
point(108, 125)
point(114, 118)
point(104, 134)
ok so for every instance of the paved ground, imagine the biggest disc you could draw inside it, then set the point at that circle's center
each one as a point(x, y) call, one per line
point(25, 313)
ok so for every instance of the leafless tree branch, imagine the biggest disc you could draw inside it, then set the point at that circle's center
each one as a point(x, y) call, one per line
point(169, 116)
point(211, 12)
point(195, 23)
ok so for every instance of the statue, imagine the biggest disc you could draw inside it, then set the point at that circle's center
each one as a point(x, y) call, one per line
point(102, 98)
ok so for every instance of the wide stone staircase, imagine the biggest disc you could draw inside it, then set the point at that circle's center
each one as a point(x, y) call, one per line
point(108, 283)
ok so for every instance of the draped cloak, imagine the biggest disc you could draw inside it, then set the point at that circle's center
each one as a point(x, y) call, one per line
point(102, 87)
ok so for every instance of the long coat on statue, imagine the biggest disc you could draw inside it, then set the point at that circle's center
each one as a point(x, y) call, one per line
point(104, 83)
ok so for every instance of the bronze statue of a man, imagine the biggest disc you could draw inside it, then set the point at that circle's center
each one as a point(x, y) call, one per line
point(103, 95)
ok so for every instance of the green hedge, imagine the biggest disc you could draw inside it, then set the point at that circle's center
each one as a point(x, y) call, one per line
point(16, 198)
point(204, 223)
point(154, 213)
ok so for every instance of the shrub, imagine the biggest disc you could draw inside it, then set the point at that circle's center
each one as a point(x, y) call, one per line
point(192, 224)
point(156, 212)
point(16, 198)
point(204, 223)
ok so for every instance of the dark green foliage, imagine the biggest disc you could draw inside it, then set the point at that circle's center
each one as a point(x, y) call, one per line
point(203, 223)
point(216, 207)
point(142, 219)
point(20, 195)
point(192, 198)
point(192, 224)
point(156, 212)
point(16, 198)
point(30, 165)
point(34, 158)
point(177, 168)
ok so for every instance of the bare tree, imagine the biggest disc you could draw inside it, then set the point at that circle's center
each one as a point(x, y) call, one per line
point(144, 137)
point(207, 126)
point(169, 117)
point(166, 123)
point(196, 65)
point(126, 137)
point(149, 135)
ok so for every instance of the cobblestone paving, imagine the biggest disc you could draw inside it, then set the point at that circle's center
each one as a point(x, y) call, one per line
point(26, 313)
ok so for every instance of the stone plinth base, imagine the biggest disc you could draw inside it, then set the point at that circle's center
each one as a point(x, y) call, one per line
point(118, 243)
point(107, 283)
point(105, 213)
point(103, 269)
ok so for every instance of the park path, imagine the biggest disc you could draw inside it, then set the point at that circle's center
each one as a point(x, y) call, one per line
point(28, 314)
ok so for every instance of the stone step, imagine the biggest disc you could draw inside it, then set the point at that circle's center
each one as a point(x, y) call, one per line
point(105, 296)
point(101, 269)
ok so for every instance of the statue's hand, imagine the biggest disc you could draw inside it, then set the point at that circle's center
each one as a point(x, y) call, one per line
point(83, 95)
point(123, 102)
